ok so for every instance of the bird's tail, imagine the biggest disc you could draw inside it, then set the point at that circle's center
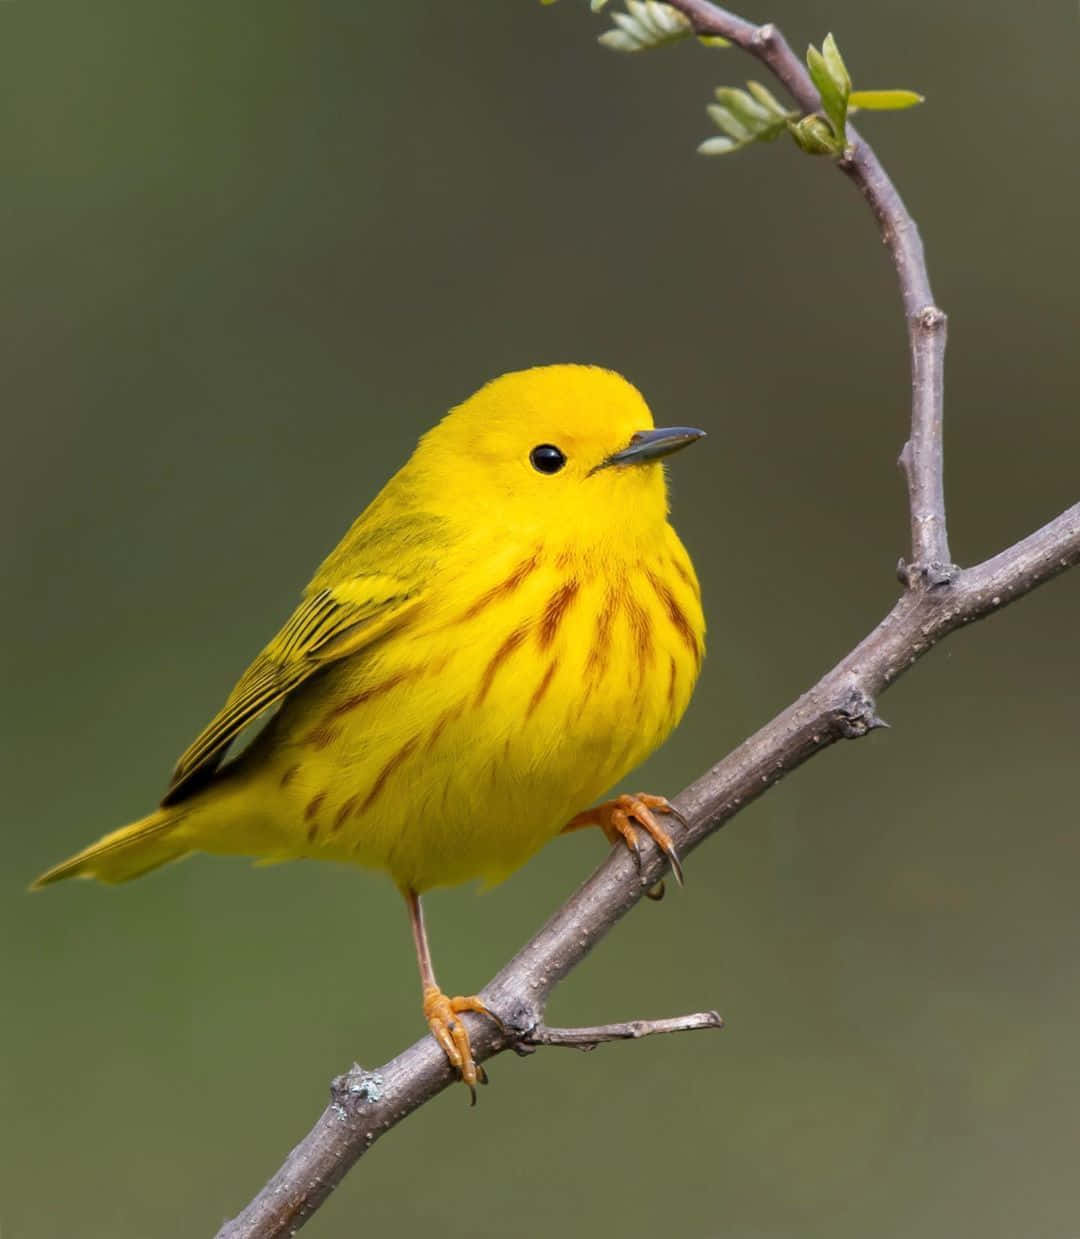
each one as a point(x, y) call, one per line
point(125, 853)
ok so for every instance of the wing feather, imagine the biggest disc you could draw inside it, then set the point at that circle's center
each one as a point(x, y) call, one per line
point(330, 624)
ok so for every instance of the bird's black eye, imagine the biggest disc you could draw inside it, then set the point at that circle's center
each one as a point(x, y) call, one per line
point(546, 458)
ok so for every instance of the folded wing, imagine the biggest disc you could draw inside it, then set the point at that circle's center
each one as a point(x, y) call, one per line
point(330, 624)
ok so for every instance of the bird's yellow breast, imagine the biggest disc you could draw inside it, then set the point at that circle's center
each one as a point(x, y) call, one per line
point(530, 683)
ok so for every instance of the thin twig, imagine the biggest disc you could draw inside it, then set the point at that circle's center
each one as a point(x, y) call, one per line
point(922, 457)
point(841, 705)
point(632, 1030)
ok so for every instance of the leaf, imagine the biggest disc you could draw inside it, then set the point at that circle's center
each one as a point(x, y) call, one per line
point(744, 108)
point(834, 85)
point(884, 100)
point(767, 100)
point(718, 146)
point(726, 120)
point(645, 24)
point(834, 62)
point(618, 41)
point(713, 40)
point(629, 24)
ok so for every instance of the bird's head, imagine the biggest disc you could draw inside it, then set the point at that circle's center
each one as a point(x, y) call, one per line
point(568, 445)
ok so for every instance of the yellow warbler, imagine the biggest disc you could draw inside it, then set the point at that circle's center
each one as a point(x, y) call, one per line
point(509, 628)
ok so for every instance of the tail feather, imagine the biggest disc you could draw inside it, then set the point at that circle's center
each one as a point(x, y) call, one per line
point(125, 853)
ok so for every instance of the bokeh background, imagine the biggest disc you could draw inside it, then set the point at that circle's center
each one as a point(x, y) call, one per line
point(249, 252)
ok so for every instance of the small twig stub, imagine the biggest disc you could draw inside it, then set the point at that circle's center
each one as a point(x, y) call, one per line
point(632, 1030)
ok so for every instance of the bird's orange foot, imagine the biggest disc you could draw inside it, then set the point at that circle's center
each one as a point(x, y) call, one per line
point(617, 818)
point(441, 1014)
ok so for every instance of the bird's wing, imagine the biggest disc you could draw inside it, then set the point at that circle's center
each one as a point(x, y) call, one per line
point(329, 624)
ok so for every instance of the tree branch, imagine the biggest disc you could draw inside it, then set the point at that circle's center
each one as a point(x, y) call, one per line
point(939, 599)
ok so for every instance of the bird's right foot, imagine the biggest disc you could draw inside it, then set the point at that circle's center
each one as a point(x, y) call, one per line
point(442, 1014)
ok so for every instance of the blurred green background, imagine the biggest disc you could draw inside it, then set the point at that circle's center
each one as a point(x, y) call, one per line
point(249, 252)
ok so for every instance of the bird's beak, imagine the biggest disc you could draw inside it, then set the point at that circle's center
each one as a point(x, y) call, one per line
point(649, 445)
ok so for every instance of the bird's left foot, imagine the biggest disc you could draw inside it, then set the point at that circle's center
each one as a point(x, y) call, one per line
point(617, 819)
point(441, 1014)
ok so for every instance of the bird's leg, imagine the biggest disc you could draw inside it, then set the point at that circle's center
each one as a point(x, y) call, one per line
point(617, 818)
point(440, 1011)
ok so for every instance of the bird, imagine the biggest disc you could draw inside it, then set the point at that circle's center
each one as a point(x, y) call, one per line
point(503, 634)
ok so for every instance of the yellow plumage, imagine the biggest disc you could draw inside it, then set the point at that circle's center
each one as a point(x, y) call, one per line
point(485, 653)
point(492, 645)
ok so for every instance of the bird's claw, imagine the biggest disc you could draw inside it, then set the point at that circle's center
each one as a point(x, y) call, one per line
point(617, 819)
point(641, 809)
point(441, 1014)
